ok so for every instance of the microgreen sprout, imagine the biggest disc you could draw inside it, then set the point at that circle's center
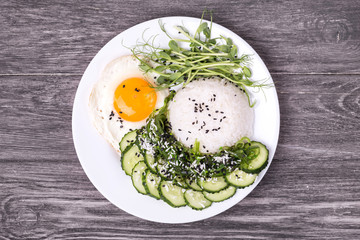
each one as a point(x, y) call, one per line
point(204, 56)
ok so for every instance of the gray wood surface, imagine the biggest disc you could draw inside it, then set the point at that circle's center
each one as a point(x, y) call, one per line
point(312, 189)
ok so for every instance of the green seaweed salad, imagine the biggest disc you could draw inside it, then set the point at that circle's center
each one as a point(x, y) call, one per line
point(160, 165)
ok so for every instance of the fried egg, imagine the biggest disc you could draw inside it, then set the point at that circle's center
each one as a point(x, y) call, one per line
point(123, 99)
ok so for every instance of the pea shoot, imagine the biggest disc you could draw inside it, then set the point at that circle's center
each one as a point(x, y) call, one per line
point(204, 56)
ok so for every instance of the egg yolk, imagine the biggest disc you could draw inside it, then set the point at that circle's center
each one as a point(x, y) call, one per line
point(134, 99)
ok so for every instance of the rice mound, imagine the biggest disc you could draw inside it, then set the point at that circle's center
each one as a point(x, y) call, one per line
point(213, 111)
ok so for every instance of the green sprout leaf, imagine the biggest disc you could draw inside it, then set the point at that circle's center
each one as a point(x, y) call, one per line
point(174, 46)
point(247, 71)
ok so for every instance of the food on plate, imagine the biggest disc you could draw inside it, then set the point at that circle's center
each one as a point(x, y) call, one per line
point(122, 99)
point(182, 118)
point(185, 175)
point(212, 111)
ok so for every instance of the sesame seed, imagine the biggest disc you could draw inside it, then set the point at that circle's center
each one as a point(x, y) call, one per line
point(123, 85)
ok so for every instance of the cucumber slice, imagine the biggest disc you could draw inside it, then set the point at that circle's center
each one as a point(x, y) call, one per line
point(172, 194)
point(196, 200)
point(150, 162)
point(161, 168)
point(130, 158)
point(240, 179)
point(259, 163)
point(180, 182)
point(193, 185)
point(137, 177)
point(151, 183)
point(214, 184)
point(220, 196)
point(127, 140)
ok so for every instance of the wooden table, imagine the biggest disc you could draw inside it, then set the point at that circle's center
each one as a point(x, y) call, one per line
point(312, 189)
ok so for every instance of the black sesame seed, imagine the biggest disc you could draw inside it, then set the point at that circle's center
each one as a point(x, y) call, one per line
point(193, 100)
point(123, 85)
point(222, 112)
point(189, 132)
point(216, 111)
point(179, 129)
point(215, 119)
point(209, 115)
point(206, 131)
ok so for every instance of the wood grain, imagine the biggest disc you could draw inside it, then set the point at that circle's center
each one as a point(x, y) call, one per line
point(302, 37)
point(311, 191)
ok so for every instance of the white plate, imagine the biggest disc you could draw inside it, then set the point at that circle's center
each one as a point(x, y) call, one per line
point(100, 162)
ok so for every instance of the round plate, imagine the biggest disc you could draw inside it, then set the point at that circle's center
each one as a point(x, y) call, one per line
point(100, 161)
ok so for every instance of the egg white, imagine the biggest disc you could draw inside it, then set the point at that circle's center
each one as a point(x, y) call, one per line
point(102, 99)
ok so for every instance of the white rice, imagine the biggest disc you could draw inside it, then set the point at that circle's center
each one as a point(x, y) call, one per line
point(223, 118)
